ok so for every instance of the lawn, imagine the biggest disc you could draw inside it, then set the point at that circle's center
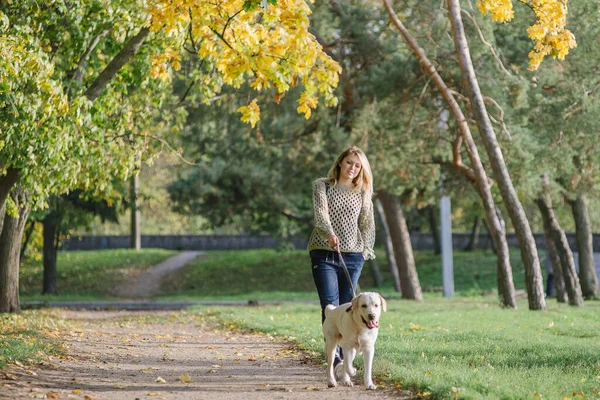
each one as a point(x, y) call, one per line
point(285, 275)
point(88, 275)
point(466, 348)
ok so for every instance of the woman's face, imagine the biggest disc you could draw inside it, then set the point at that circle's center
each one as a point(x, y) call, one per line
point(350, 167)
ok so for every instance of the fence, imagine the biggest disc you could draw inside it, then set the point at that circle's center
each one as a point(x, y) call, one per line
point(419, 240)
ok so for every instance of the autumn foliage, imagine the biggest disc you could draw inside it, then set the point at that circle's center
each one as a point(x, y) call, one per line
point(270, 47)
point(549, 30)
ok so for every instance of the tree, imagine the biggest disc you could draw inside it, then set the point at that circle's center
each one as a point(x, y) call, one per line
point(562, 117)
point(65, 213)
point(409, 279)
point(83, 109)
point(549, 30)
point(477, 174)
point(535, 287)
point(561, 245)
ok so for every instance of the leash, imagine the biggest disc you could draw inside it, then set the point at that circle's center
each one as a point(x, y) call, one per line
point(346, 271)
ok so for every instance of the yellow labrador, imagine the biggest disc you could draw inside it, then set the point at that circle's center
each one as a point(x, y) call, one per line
point(355, 326)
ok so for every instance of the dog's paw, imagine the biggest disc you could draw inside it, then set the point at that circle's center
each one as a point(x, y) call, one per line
point(371, 386)
point(331, 384)
point(347, 382)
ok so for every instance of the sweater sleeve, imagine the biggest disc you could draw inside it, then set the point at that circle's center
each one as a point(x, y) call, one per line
point(366, 225)
point(321, 207)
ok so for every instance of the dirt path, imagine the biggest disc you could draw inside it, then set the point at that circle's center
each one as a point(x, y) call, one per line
point(148, 284)
point(125, 355)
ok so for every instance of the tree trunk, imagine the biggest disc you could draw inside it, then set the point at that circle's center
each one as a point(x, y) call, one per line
point(135, 241)
point(477, 175)
point(583, 233)
point(10, 244)
point(506, 286)
point(376, 273)
point(29, 228)
point(389, 247)
point(474, 238)
point(50, 249)
point(6, 184)
point(562, 247)
point(534, 281)
point(490, 239)
point(556, 269)
point(433, 225)
point(409, 280)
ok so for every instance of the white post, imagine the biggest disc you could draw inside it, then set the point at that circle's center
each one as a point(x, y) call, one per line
point(446, 245)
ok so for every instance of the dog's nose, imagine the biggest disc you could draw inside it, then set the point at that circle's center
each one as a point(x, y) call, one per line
point(371, 316)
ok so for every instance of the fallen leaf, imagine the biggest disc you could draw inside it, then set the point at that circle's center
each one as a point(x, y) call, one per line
point(152, 394)
point(146, 371)
point(120, 387)
point(52, 395)
point(76, 391)
point(185, 378)
point(251, 358)
point(161, 380)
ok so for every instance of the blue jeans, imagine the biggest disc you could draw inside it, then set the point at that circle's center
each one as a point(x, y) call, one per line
point(331, 281)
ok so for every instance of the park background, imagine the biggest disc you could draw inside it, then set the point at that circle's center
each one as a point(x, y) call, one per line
point(198, 169)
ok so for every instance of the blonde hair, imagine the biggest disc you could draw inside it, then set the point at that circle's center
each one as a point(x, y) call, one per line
point(363, 181)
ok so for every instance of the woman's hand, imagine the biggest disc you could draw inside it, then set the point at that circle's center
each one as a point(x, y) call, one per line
point(334, 242)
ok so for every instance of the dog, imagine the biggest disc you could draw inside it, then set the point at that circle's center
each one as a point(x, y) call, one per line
point(355, 326)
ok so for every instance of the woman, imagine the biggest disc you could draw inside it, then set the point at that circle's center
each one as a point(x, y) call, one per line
point(343, 221)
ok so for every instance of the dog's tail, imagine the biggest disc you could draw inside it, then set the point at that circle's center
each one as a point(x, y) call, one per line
point(328, 309)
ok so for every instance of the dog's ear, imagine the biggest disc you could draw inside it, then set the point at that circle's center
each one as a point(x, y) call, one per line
point(383, 304)
point(354, 305)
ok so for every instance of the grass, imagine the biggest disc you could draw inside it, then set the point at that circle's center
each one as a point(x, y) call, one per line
point(285, 275)
point(28, 337)
point(466, 348)
point(88, 275)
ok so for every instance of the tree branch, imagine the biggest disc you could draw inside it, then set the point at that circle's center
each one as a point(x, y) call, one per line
point(297, 218)
point(78, 72)
point(587, 93)
point(501, 118)
point(482, 38)
point(129, 50)
point(177, 153)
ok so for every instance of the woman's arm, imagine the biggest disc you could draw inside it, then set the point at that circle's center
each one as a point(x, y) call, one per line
point(366, 225)
point(321, 208)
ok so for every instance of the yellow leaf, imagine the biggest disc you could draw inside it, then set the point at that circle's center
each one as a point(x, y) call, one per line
point(185, 378)
point(250, 113)
point(76, 391)
point(52, 395)
point(159, 379)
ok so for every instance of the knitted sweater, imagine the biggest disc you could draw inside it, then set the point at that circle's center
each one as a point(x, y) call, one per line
point(339, 211)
